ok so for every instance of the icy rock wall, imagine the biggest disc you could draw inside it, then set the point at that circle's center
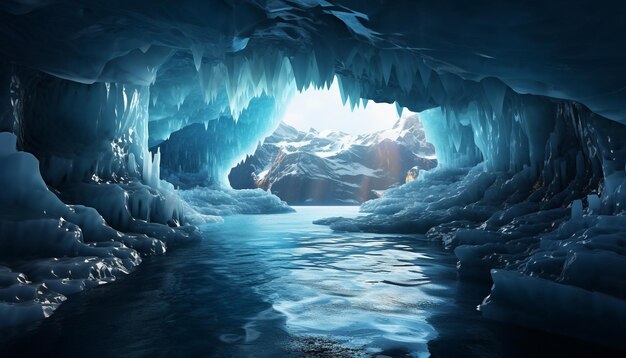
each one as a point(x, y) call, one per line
point(573, 258)
point(514, 132)
point(92, 145)
point(82, 132)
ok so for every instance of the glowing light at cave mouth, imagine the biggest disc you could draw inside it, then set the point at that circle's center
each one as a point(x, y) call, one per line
point(322, 109)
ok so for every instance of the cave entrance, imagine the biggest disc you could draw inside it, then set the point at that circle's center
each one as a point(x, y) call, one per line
point(327, 151)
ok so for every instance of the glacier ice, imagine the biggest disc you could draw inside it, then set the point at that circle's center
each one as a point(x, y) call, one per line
point(525, 110)
point(82, 162)
point(208, 151)
point(36, 224)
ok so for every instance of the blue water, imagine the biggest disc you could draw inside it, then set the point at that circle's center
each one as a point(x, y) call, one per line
point(279, 286)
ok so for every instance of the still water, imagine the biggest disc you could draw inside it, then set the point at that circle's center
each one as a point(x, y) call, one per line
point(279, 286)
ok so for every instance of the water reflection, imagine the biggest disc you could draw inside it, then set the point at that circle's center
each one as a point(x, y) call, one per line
point(364, 291)
point(278, 286)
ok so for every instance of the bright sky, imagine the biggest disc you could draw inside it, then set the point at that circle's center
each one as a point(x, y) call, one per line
point(322, 109)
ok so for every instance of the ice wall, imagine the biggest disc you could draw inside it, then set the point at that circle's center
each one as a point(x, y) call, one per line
point(91, 143)
point(207, 151)
point(68, 248)
point(78, 131)
point(88, 144)
point(453, 139)
point(197, 159)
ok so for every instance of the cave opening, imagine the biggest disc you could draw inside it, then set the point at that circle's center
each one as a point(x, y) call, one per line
point(326, 151)
point(144, 142)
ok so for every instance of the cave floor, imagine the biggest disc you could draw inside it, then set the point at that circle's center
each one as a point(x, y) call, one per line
point(279, 286)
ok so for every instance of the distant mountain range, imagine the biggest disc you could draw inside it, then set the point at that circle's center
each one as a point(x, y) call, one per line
point(334, 167)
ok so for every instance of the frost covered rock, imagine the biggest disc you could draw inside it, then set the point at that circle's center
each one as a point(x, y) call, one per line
point(412, 174)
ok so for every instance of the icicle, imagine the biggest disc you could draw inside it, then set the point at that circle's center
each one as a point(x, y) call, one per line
point(156, 170)
point(147, 167)
point(197, 51)
point(424, 72)
point(132, 164)
point(342, 90)
point(399, 109)
point(577, 209)
point(495, 91)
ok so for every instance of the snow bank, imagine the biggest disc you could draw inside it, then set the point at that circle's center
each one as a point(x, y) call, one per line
point(220, 201)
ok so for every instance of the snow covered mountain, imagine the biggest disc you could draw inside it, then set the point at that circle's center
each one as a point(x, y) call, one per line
point(334, 167)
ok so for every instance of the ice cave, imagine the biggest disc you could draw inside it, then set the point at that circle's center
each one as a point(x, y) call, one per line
point(155, 200)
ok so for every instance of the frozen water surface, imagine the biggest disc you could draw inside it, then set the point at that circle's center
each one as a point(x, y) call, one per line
point(277, 285)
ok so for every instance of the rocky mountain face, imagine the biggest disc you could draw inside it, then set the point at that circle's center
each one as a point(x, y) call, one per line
point(334, 167)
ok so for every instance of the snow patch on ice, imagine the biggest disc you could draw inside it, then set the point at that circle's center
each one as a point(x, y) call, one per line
point(220, 201)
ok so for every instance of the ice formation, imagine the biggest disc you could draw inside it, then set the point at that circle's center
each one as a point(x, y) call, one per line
point(70, 247)
point(524, 106)
point(537, 213)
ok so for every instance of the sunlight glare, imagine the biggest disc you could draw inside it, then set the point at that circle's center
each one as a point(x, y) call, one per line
point(323, 110)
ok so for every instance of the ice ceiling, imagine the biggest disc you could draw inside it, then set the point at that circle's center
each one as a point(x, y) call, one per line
point(525, 105)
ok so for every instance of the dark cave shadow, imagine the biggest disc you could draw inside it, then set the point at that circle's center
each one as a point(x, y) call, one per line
point(464, 332)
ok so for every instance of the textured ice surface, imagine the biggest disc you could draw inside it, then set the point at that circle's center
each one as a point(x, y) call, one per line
point(219, 201)
point(378, 41)
point(69, 247)
point(35, 224)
